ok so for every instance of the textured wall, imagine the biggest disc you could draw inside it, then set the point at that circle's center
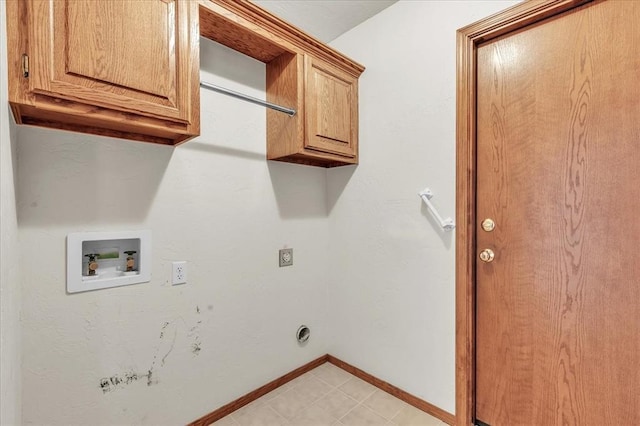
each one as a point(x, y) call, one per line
point(361, 237)
point(10, 289)
point(392, 288)
point(214, 202)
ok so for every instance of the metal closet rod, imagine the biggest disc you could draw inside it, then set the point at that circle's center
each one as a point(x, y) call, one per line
point(290, 112)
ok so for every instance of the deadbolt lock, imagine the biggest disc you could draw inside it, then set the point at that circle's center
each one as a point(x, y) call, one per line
point(488, 224)
point(487, 255)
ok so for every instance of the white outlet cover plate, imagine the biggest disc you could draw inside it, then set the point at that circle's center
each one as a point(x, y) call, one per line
point(176, 277)
point(75, 281)
point(285, 257)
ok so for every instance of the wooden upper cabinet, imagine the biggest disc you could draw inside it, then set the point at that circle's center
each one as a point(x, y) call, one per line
point(331, 115)
point(324, 132)
point(130, 69)
point(303, 73)
point(125, 68)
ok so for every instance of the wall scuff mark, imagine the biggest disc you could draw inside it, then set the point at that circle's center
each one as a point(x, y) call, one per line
point(162, 352)
point(109, 384)
point(173, 343)
point(166, 351)
point(194, 332)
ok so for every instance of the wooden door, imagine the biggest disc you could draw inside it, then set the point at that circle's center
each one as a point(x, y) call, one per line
point(331, 102)
point(128, 55)
point(558, 170)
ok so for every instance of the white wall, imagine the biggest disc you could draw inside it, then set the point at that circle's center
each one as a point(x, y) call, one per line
point(10, 372)
point(360, 234)
point(214, 202)
point(392, 286)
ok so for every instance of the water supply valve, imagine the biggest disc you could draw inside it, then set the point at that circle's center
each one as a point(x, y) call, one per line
point(131, 263)
point(93, 263)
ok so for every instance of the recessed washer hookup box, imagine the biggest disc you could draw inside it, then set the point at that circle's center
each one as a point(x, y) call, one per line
point(97, 260)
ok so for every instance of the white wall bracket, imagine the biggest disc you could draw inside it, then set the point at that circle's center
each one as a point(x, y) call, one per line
point(447, 223)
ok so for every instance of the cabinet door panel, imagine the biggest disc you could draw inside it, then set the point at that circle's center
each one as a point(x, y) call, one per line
point(331, 109)
point(333, 116)
point(112, 46)
point(127, 54)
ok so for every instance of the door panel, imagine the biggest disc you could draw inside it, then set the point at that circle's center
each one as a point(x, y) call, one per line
point(558, 309)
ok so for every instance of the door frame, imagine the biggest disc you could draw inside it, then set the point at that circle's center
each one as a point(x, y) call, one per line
point(468, 40)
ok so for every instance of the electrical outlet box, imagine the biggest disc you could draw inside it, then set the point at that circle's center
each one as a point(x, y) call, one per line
point(178, 273)
point(286, 257)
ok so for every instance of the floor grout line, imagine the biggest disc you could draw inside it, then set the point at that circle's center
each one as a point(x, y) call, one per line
point(311, 375)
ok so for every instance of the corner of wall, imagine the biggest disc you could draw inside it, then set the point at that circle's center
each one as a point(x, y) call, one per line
point(10, 289)
point(393, 268)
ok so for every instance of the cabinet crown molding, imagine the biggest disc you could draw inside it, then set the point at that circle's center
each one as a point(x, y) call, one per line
point(251, 19)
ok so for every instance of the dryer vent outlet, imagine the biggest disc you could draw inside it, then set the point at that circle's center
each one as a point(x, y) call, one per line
point(303, 334)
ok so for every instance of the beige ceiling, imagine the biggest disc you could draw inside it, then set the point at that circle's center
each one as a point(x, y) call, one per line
point(325, 19)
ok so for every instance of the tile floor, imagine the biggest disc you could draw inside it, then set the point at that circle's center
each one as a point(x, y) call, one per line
point(328, 396)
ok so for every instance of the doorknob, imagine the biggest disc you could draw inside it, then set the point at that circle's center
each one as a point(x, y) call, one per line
point(487, 255)
point(488, 224)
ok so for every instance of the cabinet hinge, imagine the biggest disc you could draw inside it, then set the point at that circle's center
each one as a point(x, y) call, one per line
point(25, 65)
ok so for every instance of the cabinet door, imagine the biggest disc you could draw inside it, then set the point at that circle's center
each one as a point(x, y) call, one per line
point(128, 55)
point(331, 102)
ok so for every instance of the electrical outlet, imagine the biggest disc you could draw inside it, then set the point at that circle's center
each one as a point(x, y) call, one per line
point(179, 273)
point(286, 257)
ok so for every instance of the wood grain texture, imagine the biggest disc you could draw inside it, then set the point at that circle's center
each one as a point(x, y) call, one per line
point(468, 39)
point(334, 125)
point(227, 409)
point(134, 61)
point(261, 23)
point(302, 73)
point(285, 86)
point(90, 119)
point(331, 116)
point(146, 67)
point(569, 280)
point(465, 230)
point(17, 44)
point(40, 121)
point(557, 336)
point(80, 27)
point(191, 91)
point(127, 66)
point(324, 130)
point(420, 404)
point(224, 29)
point(316, 159)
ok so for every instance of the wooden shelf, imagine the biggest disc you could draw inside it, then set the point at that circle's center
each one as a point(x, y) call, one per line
point(320, 83)
point(136, 74)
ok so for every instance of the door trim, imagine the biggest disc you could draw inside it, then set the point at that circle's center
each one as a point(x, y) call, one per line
point(468, 40)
